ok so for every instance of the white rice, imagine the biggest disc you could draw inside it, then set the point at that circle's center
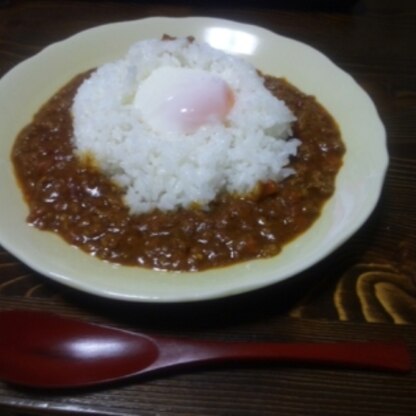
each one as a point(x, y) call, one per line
point(170, 171)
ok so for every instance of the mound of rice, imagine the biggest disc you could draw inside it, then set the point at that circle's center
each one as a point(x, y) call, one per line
point(170, 171)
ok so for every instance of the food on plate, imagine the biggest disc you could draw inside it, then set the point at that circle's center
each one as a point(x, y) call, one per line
point(178, 157)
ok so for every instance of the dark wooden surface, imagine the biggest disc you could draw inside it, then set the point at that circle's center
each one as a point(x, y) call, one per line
point(365, 290)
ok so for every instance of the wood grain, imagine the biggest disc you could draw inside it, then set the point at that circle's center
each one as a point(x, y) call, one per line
point(365, 290)
point(367, 293)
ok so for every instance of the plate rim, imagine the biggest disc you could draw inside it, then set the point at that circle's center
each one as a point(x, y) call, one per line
point(216, 292)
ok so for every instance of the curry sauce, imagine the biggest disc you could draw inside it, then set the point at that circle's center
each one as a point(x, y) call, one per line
point(73, 198)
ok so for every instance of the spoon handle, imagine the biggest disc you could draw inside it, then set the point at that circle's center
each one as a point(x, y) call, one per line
point(366, 355)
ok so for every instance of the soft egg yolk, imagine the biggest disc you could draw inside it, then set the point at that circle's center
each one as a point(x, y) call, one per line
point(181, 100)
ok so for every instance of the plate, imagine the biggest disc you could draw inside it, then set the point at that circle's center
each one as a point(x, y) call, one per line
point(358, 186)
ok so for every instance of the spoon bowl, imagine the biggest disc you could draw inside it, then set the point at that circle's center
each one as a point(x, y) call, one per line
point(44, 350)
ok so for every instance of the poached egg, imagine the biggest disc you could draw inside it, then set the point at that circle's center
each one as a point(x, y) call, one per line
point(182, 100)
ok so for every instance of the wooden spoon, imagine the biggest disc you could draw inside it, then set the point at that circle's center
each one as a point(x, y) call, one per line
point(43, 350)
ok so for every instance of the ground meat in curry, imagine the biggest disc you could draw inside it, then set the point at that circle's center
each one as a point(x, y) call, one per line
point(71, 197)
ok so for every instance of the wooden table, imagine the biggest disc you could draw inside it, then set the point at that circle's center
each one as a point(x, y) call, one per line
point(365, 290)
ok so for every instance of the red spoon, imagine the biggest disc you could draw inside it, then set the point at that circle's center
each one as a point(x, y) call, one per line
point(40, 349)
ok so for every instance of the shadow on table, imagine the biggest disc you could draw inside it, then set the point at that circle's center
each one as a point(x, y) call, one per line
point(244, 309)
point(304, 5)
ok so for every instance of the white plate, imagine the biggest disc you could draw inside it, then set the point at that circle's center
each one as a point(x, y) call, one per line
point(358, 187)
